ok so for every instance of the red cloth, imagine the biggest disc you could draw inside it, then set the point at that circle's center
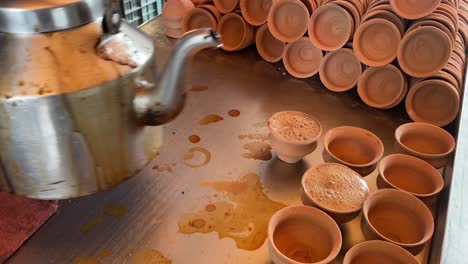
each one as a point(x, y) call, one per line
point(20, 217)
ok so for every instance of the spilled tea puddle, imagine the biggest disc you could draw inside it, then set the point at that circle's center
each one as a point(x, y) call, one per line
point(244, 218)
point(149, 256)
point(257, 151)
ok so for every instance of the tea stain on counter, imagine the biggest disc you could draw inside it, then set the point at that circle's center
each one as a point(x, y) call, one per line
point(210, 119)
point(196, 157)
point(257, 151)
point(194, 139)
point(244, 218)
point(91, 224)
point(149, 256)
point(104, 253)
point(110, 209)
point(234, 113)
point(86, 260)
point(115, 210)
point(199, 88)
point(255, 136)
point(163, 168)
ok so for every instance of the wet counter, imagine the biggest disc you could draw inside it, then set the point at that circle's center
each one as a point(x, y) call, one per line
point(208, 195)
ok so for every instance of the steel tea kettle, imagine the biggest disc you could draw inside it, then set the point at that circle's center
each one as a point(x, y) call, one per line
point(73, 122)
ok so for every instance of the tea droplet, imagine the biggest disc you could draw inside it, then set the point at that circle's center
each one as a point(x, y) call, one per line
point(91, 224)
point(162, 168)
point(199, 88)
point(210, 119)
point(234, 113)
point(210, 207)
point(194, 139)
point(198, 223)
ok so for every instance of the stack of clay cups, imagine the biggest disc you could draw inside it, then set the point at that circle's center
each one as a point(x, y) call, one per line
point(340, 70)
point(173, 13)
point(463, 23)
point(333, 24)
point(202, 16)
point(436, 99)
point(236, 33)
point(377, 39)
point(268, 47)
point(382, 87)
point(427, 44)
point(414, 9)
point(226, 6)
point(287, 20)
point(255, 12)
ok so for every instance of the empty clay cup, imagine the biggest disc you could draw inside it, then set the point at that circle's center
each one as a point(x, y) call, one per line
point(336, 189)
point(425, 141)
point(293, 135)
point(235, 32)
point(200, 17)
point(412, 175)
point(376, 251)
point(340, 70)
point(354, 147)
point(330, 27)
point(382, 87)
point(414, 9)
point(255, 12)
point(226, 6)
point(424, 51)
point(397, 217)
point(303, 234)
point(173, 13)
point(301, 58)
point(270, 48)
point(288, 20)
point(376, 42)
point(433, 101)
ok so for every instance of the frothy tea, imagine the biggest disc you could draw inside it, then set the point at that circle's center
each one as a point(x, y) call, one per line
point(294, 126)
point(336, 187)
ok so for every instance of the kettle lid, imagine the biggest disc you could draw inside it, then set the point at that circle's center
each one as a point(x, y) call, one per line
point(38, 16)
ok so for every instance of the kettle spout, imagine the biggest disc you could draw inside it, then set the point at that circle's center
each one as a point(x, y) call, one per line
point(163, 103)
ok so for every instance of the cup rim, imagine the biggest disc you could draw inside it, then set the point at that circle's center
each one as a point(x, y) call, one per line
point(377, 157)
point(417, 162)
point(292, 142)
point(238, 17)
point(309, 211)
point(427, 212)
point(399, 135)
point(380, 243)
point(328, 209)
